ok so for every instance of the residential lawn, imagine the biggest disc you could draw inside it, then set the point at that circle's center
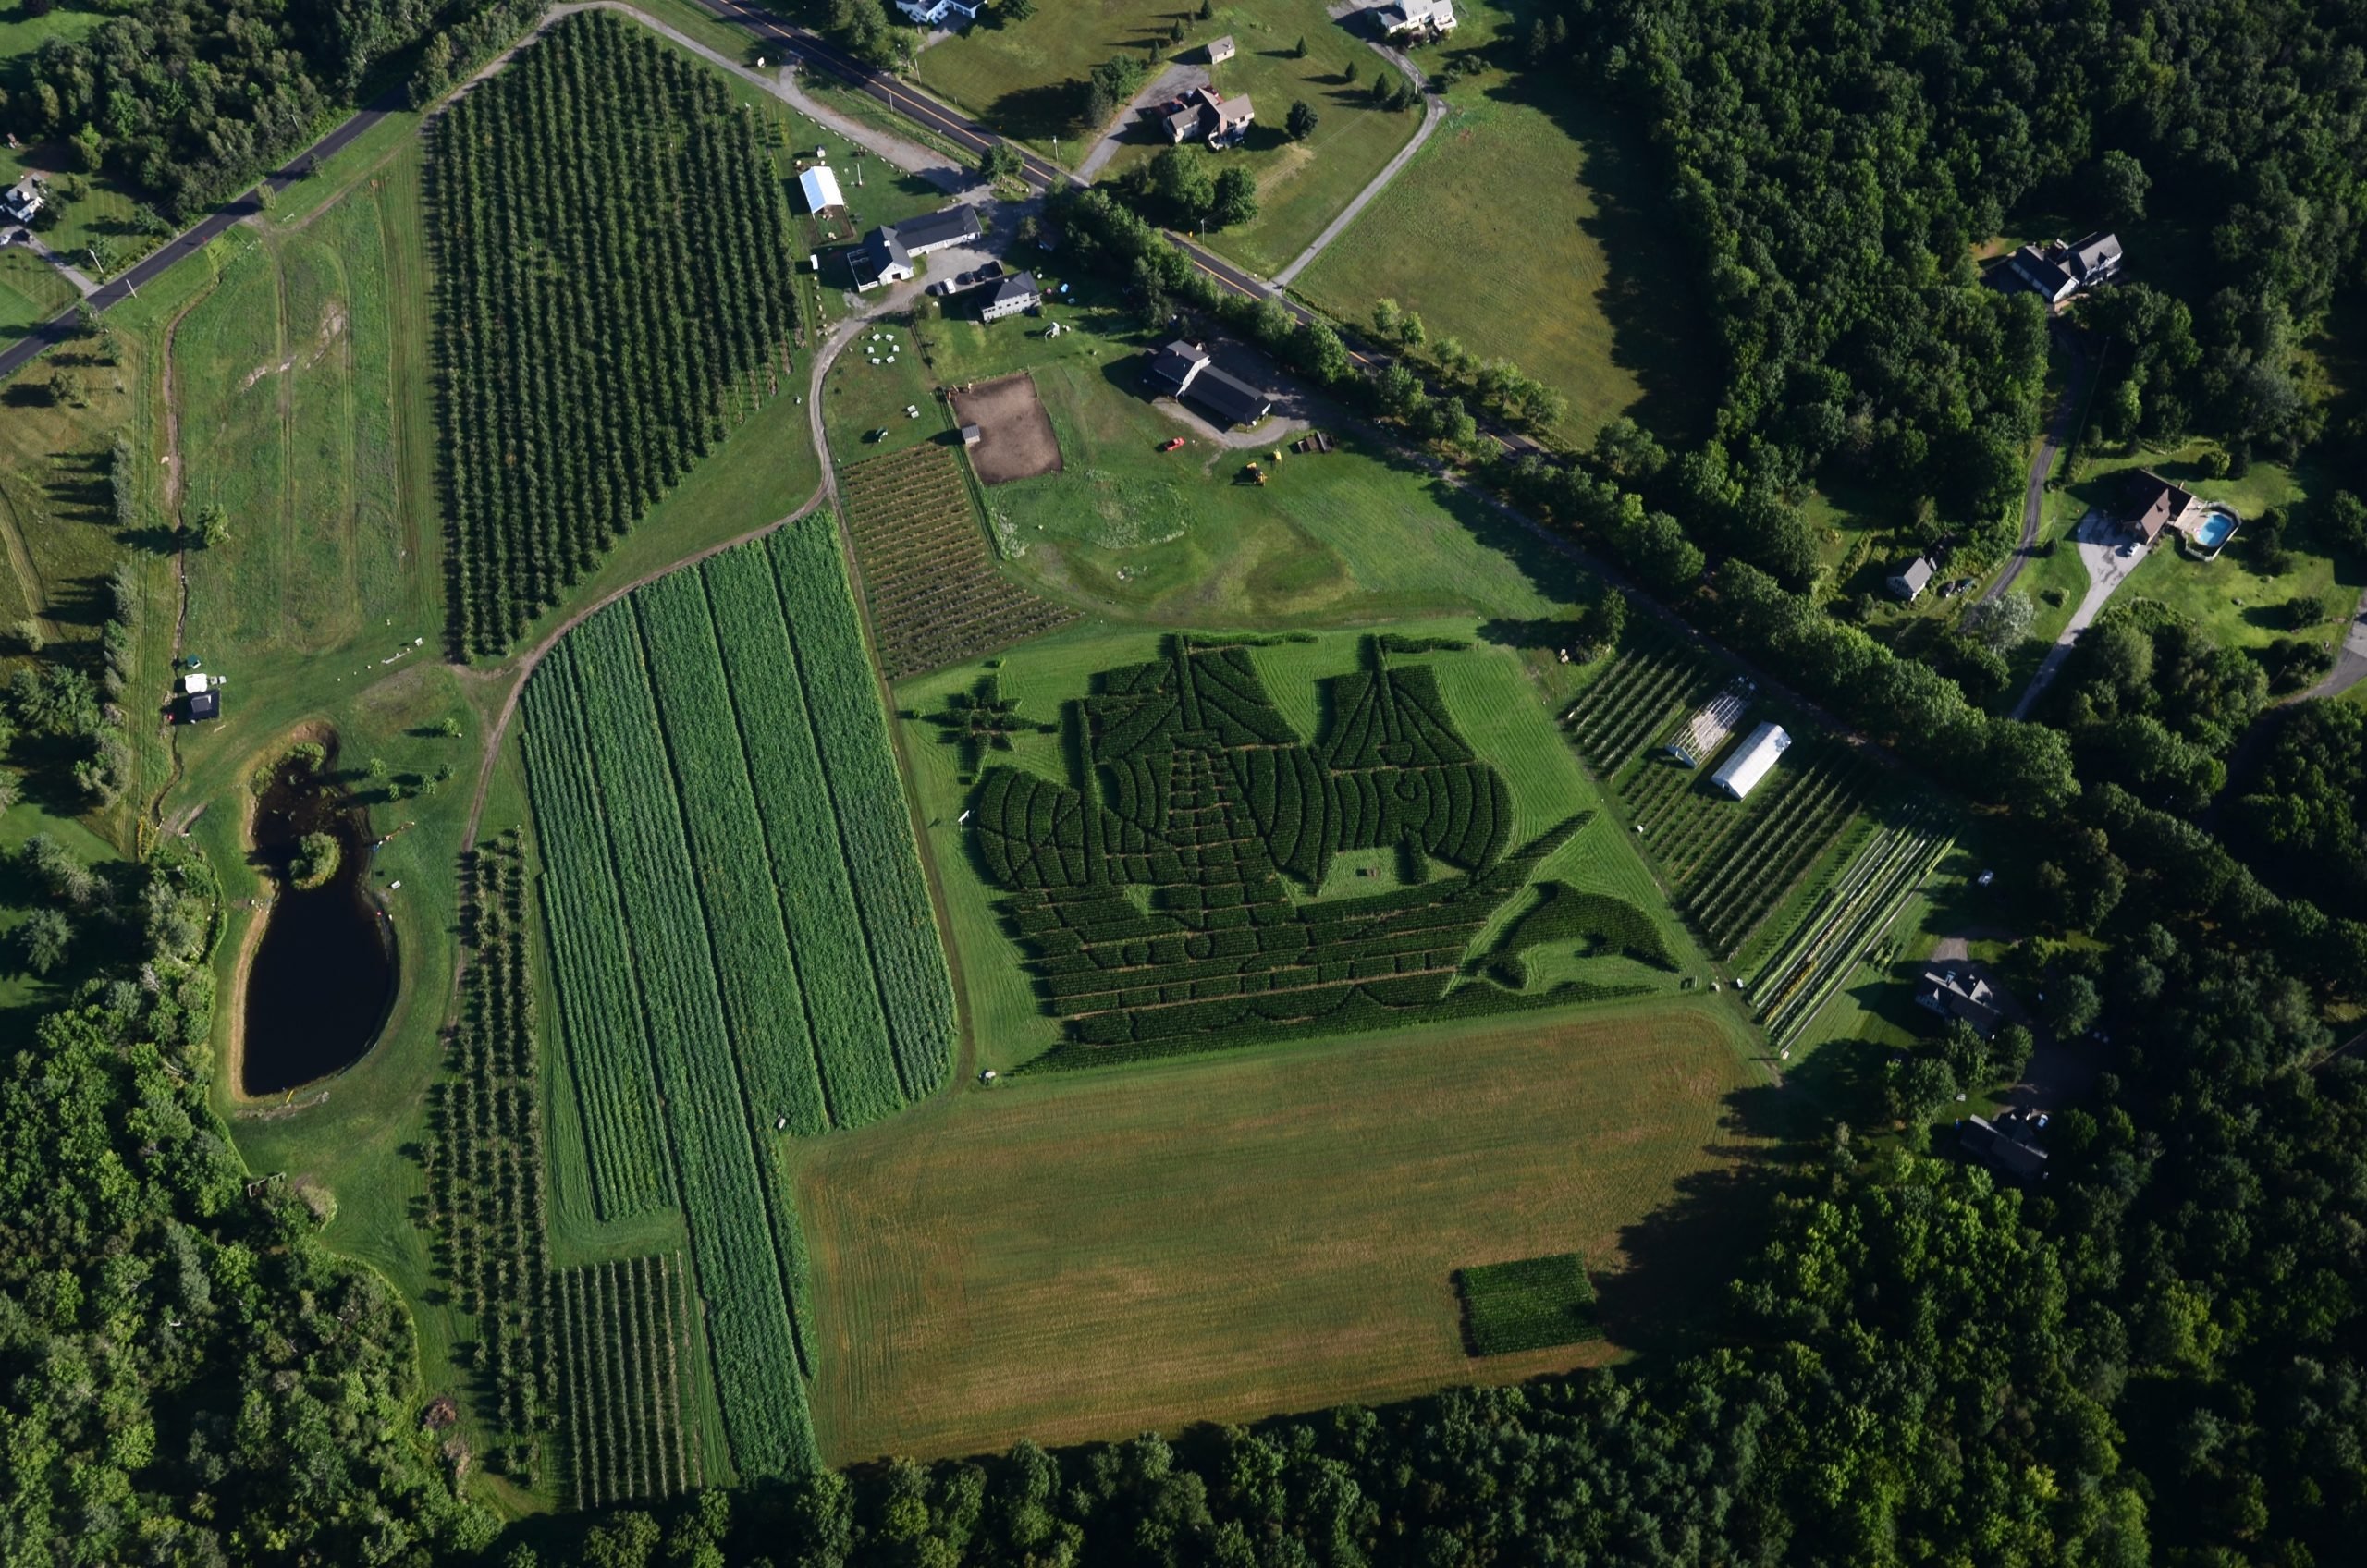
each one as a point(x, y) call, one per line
point(2228, 596)
point(1533, 228)
point(1491, 691)
point(30, 292)
point(1094, 1254)
point(104, 215)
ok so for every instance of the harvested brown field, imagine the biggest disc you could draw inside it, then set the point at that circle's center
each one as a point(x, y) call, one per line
point(1015, 439)
point(1094, 1254)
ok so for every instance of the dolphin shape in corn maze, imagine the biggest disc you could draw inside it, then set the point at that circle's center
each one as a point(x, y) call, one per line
point(1198, 790)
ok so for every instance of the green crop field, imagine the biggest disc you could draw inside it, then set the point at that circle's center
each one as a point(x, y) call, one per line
point(1092, 1255)
point(734, 907)
point(1528, 1303)
point(1529, 229)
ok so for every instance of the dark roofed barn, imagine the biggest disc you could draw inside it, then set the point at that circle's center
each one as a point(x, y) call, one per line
point(1172, 369)
point(202, 705)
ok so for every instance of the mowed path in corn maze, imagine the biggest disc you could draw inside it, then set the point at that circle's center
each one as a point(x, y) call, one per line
point(1073, 1255)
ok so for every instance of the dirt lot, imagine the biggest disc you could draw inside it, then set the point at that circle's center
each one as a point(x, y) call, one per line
point(1015, 437)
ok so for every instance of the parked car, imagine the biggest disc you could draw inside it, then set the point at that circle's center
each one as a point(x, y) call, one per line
point(988, 273)
point(941, 287)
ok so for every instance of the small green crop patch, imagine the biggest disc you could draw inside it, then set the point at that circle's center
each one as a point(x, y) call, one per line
point(1530, 1304)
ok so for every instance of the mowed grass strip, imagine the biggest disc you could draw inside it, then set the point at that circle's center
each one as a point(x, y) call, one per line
point(1222, 1238)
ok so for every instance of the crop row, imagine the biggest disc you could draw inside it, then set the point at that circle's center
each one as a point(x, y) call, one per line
point(485, 1202)
point(626, 1327)
point(1734, 894)
point(716, 1140)
point(930, 582)
point(610, 274)
point(1629, 702)
point(1852, 914)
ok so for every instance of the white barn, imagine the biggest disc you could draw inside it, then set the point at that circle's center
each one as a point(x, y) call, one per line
point(1752, 761)
point(820, 188)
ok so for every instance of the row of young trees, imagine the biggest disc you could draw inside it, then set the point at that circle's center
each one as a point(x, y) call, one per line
point(486, 1202)
point(612, 290)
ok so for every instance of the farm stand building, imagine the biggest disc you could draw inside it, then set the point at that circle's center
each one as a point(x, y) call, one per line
point(886, 254)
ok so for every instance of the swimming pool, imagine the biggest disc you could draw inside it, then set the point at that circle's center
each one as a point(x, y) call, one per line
point(2216, 525)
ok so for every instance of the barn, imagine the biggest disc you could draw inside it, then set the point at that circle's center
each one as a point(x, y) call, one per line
point(1752, 761)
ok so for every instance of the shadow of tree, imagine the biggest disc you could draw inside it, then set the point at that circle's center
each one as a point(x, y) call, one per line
point(1032, 114)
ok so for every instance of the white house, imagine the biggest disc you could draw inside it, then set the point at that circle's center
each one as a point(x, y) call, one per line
point(886, 254)
point(940, 13)
point(2060, 271)
point(1011, 295)
point(1220, 51)
point(20, 200)
point(1419, 19)
point(820, 188)
point(1752, 761)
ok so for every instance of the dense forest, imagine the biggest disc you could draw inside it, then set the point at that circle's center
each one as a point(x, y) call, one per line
point(187, 101)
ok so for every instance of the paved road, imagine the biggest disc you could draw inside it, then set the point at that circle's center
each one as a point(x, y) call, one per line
point(1173, 83)
point(60, 327)
point(2349, 662)
point(2099, 544)
point(2076, 387)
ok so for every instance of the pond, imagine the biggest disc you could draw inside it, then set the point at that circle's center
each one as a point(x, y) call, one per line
point(322, 976)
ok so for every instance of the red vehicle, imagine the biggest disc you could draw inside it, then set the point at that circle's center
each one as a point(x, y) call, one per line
point(1172, 445)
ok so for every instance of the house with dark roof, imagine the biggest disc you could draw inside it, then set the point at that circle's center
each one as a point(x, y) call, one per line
point(2008, 1149)
point(2058, 271)
point(2151, 504)
point(1009, 296)
point(1207, 115)
point(1909, 581)
point(1961, 994)
point(201, 705)
point(1186, 373)
point(886, 254)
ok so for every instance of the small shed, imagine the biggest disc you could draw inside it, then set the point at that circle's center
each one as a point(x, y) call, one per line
point(1220, 51)
point(195, 681)
point(1752, 761)
point(202, 705)
point(972, 435)
point(820, 188)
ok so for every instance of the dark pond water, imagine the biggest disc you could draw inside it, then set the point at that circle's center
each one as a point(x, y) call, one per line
point(323, 974)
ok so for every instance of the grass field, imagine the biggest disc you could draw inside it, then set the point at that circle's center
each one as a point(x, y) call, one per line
point(1359, 536)
point(1497, 703)
point(1224, 1238)
point(863, 392)
point(30, 292)
point(1530, 229)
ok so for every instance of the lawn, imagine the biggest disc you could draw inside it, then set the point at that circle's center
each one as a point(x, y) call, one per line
point(1361, 534)
point(1530, 227)
point(865, 393)
point(30, 292)
point(1495, 702)
point(1224, 1238)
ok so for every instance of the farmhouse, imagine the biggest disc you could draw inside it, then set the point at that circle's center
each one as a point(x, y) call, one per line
point(940, 13)
point(1206, 113)
point(20, 200)
point(1909, 581)
point(1220, 51)
point(1752, 761)
point(1184, 372)
point(1965, 996)
point(2059, 271)
point(886, 254)
point(1415, 18)
point(820, 188)
point(1014, 294)
point(2153, 504)
point(2007, 1149)
point(202, 705)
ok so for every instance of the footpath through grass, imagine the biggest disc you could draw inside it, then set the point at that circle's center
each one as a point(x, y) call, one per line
point(1092, 1255)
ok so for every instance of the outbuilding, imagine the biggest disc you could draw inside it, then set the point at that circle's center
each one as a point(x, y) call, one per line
point(202, 705)
point(1752, 761)
point(1220, 51)
point(820, 188)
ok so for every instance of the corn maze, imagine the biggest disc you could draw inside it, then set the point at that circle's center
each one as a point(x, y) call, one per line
point(627, 1332)
point(709, 760)
point(929, 582)
point(1731, 863)
point(1201, 792)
